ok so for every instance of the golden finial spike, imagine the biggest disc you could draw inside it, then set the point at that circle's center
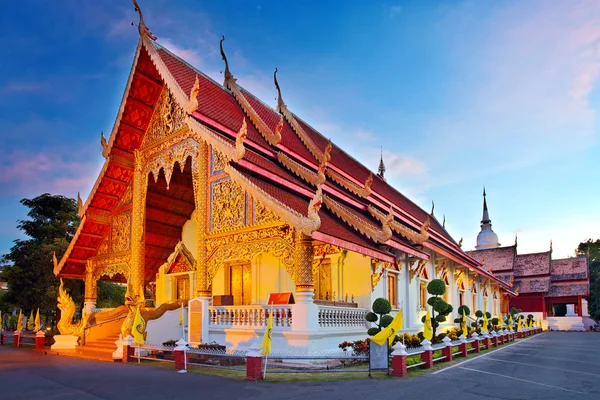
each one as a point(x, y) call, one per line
point(104, 145)
point(432, 207)
point(460, 242)
point(79, 205)
point(54, 260)
point(228, 75)
point(142, 28)
point(280, 102)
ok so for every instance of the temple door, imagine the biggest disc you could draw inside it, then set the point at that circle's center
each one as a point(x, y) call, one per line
point(240, 283)
point(322, 281)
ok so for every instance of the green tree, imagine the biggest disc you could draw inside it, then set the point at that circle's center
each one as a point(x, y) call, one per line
point(591, 248)
point(437, 288)
point(110, 295)
point(380, 315)
point(52, 223)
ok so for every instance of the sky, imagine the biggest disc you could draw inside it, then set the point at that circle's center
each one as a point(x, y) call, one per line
point(457, 94)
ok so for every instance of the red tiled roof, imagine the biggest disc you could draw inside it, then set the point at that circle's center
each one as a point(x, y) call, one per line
point(532, 264)
point(560, 289)
point(533, 285)
point(570, 269)
point(497, 259)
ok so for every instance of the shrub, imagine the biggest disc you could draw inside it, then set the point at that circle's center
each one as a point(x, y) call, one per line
point(436, 287)
point(373, 331)
point(488, 315)
point(465, 309)
point(381, 307)
point(371, 317)
point(359, 347)
point(479, 314)
point(386, 320)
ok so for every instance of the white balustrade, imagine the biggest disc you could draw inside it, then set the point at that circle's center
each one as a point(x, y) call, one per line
point(252, 316)
point(342, 317)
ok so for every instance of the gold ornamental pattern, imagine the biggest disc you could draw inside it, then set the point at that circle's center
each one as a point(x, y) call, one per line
point(103, 248)
point(168, 117)
point(228, 206)
point(121, 232)
point(247, 245)
point(111, 265)
point(199, 180)
point(262, 215)
point(218, 161)
point(126, 197)
point(303, 258)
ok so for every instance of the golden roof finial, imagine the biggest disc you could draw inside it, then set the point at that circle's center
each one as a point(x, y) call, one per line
point(54, 260)
point(79, 205)
point(432, 208)
point(280, 102)
point(142, 28)
point(460, 242)
point(104, 145)
point(228, 74)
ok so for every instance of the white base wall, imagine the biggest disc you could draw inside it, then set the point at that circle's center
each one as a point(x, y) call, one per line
point(165, 328)
point(565, 323)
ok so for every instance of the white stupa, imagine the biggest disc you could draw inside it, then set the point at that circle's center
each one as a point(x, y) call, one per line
point(487, 238)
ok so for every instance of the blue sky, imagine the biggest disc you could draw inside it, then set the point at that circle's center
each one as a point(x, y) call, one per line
point(459, 94)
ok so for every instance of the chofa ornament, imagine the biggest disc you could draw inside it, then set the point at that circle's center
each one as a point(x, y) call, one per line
point(67, 311)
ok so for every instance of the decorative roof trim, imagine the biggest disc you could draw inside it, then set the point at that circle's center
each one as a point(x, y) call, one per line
point(58, 267)
point(307, 225)
point(273, 138)
point(142, 28)
point(300, 170)
point(364, 191)
point(400, 229)
point(180, 249)
point(192, 103)
point(379, 235)
point(222, 146)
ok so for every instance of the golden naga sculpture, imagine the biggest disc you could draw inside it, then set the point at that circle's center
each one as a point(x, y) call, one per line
point(408, 233)
point(131, 303)
point(364, 191)
point(302, 171)
point(104, 144)
point(192, 104)
point(67, 311)
point(79, 206)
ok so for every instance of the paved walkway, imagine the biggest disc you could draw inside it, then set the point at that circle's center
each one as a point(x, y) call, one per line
point(547, 366)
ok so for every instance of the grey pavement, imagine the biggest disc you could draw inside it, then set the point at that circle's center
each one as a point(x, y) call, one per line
point(547, 366)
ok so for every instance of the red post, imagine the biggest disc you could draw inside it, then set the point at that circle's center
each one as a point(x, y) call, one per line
point(475, 343)
point(520, 335)
point(128, 350)
point(447, 350)
point(427, 354)
point(464, 349)
point(17, 338)
point(399, 368)
point(2, 338)
point(494, 339)
point(486, 341)
point(40, 339)
point(179, 360)
point(254, 365)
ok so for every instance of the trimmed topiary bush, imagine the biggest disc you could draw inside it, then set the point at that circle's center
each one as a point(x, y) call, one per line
point(440, 309)
point(379, 316)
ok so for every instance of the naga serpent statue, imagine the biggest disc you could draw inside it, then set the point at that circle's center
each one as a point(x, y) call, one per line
point(67, 311)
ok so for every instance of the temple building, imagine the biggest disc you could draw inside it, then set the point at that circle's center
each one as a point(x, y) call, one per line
point(210, 197)
point(540, 281)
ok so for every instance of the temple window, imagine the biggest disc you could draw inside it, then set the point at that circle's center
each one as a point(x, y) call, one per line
point(322, 280)
point(423, 281)
point(461, 297)
point(181, 287)
point(446, 295)
point(392, 289)
point(239, 283)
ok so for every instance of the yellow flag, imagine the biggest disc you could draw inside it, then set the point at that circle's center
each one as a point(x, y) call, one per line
point(510, 322)
point(389, 332)
point(37, 321)
point(30, 324)
point(266, 343)
point(519, 324)
point(465, 328)
point(501, 321)
point(20, 321)
point(427, 329)
point(181, 314)
point(138, 328)
point(484, 328)
point(540, 324)
point(142, 299)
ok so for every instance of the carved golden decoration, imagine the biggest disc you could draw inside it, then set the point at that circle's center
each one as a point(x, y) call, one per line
point(459, 276)
point(219, 144)
point(379, 235)
point(306, 225)
point(121, 232)
point(303, 258)
point(262, 215)
point(300, 170)
point(364, 191)
point(126, 197)
point(302, 135)
point(228, 206)
point(378, 269)
point(67, 312)
point(90, 286)
point(103, 248)
point(273, 138)
point(138, 219)
point(417, 270)
point(167, 118)
point(239, 141)
point(192, 104)
point(99, 217)
point(441, 265)
point(175, 153)
point(199, 180)
point(111, 264)
point(325, 249)
point(402, 230)
point(279, 127)
point(218, 161)
point(246, 245)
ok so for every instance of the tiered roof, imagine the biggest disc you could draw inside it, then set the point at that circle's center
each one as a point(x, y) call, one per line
point(285, 159)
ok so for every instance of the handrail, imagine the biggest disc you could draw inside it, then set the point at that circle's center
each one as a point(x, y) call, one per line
point(100, 323)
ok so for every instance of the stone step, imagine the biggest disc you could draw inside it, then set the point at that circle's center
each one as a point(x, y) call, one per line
point(100, 346)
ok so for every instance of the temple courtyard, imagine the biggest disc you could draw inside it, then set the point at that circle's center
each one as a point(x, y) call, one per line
point(553, 365)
